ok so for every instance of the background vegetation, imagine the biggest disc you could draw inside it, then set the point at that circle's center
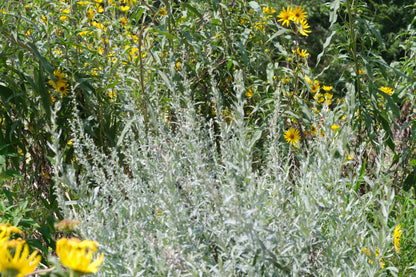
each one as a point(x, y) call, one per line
point(208, 138)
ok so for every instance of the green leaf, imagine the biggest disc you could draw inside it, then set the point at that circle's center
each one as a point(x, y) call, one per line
point(193, 10)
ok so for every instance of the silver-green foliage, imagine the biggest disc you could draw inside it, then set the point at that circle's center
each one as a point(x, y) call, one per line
point(188, 202)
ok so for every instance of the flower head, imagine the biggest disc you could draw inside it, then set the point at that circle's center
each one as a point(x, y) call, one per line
point(21, 263)
point(302, 53)
point(386, 90)
point(298, 14)
point(77, 254)
point(397, 235)
point(304, 26)
point(286, 16)
point(292, 136)
point(6, 230)
point(163, 12)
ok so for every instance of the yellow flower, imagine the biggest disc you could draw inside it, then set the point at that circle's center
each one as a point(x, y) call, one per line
point(99, 8)
point(249, 93)
point(21, 263)
point(360, 71)
point(315, 86)
point(292, 136)
point(123, 21)
point(298, 14)
point(163, 12)
point(397, 235)
point(304, 26)
point(90, 14)
point(77, 254)
point(124, 8)
point(59, 75)
point(313, 130)
point(303, 53)
point(386, 90)
point(286, 16)
point(334, 127)
point(61, 86)
point(7, 229)
point(327, 88)
point(328, 95)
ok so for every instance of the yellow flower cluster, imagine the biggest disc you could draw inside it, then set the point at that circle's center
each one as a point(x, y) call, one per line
point(374, 256)
point(60, 84)
point(325, 97)
point(296, 15)
point(14, 254)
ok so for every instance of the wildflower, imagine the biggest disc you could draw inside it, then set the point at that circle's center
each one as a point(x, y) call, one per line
point(20, 263)
point(298, 14)
point(59, 75)
point(61, 86)
point(77, 254)
point(7, 229)
point(375, 257)
point(124, 8)
point(249, 93)
point(163, 12)
point(386, 90)
point(304, 26)
point(315, 86)
point(328, 95)
point(123, 21)
point(334, 127)
point(99, 8)
point(292, 136)
point(302, 53)
point(269, 11)
point(327, 88)
point(313, 130)
point(360, 71)
point(286, 16)
point(112, 95)
point(397, 235)
point(90, 13)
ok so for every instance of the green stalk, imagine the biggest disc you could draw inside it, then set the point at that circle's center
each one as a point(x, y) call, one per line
point(353, 49)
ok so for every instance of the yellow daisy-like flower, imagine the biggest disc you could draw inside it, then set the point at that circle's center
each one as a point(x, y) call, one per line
point(286, 16)
point(292, 136)
point(123, 21)
point(327, 88)
point(334, 127)
point(163, 12)
point(313, 130)
point(59, 75)
point(315, 86)
point(298, 14)
point(302, 53)
point(90, 13)
point(21, 263)
point(386, 90)
point(77, 254)
point(124, 8)
point(6, 230)
point(397, 234)
point(304, 26)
